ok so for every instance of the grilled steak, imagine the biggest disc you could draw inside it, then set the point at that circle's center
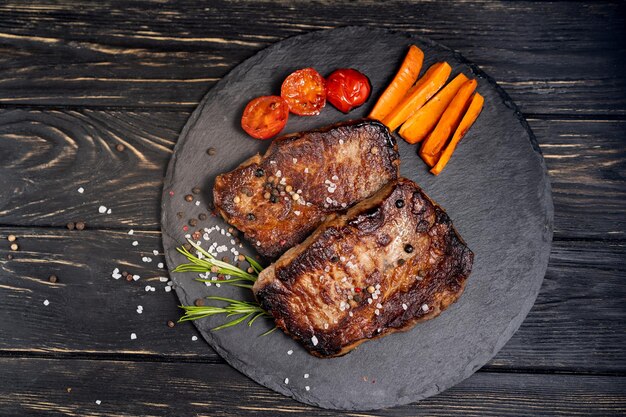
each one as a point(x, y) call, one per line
point(279, 198)
point(391, 261)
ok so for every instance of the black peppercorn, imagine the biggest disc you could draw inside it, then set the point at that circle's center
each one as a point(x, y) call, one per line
point(400, 203)
point(334, 258)
point(251, 216)
point(53, 278)
point(80, 225)
point(120, 147)
point(259, 172)
point(401, 262)
point(196, 190)
point(189, 197)
point(199, 302)
point(273, 199)
point(170, 324)
point(193, 222)
point(187, 246)
point(202, 216)
point(211, 151)
point(70, 225)
point(408, 248)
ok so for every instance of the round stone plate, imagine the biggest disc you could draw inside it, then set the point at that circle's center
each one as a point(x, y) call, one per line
point(495, 189)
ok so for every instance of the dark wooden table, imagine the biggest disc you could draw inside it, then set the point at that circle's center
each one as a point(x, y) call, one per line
point(79, 79)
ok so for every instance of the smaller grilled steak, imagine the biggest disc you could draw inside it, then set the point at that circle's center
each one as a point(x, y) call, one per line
point(391, 261)
point(278, 199)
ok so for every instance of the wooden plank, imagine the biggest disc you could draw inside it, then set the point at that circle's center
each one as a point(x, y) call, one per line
point(575, 325)
point(551, 57)
point(45, 386)
point(46, 155)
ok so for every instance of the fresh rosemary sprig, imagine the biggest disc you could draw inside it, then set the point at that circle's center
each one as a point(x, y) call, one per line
point(246, 310)
point(208, 263)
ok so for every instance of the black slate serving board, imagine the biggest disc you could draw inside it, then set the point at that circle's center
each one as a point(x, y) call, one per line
point(495, 189)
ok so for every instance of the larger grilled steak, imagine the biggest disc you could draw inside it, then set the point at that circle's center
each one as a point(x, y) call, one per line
point(391, 261)
point(279, 198)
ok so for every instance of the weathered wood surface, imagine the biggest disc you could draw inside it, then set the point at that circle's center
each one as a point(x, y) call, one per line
point(76, 79)
point(575, 326)
point(556, 58)
point(148, 388)
point(66, 149)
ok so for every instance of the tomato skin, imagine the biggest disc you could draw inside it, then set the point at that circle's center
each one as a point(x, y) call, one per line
point(347, 88)
point(265, 116)
point(304, 91)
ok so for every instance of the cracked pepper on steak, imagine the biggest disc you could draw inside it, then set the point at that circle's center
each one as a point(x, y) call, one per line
point(389, 262)
point(279, 198)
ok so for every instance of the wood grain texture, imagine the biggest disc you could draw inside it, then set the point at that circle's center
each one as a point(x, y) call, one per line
point(551, 57)
point(40, 387)
point(575, 325)
point(62, 150)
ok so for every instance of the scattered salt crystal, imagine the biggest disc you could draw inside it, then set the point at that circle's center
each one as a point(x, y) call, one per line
point(46, 302)
point(377, 312)
point(369, 301)
point(136, 277)
point(278, 173)
point(146, 259)
point(425, 307)
point(306, 376)
point(194, 338)
point(341, 141)
point(306, 170)
point(286, 381)
point(295, 160)
point(197, 203)
point(375, 296)
point(131, 232)
point(102, 209)
point(98, 402)
point(81, 190)
point(135, 243)
point(155, 252)
point(152, 289)
point(109, 211)
point(289, 352)
point(314, 340)
point(160, 265)
point(163, 279)
point(404, 306)
point(147, 288)
point(307, 388)
point(335, 178)
point(133, 336)
point(168, 288)
point(379, 305)
point(297, 213)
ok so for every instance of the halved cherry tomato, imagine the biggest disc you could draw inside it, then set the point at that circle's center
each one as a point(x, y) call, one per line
point(265, 116)
point(347, 88)
point(305, 92)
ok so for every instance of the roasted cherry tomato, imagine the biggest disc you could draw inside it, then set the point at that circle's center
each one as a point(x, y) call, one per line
point(265, 116)
point(347, 88)
point(305, 92)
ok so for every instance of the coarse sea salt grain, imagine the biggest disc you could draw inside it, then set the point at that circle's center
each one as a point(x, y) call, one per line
point(135, 243)
point(286, 381)
point(425, 307)
point(155, 252)
point(163, 279)
point(404, 306)
point(306, 376)
point(136, 277)
point(194, 338)
point(131, 232)
point(102, 209)
point(109, 211)
point(307, 388)
point(289, 352)
point(98, 402)
point(160, 265)
point(314, 340)
point(168, 288)
point(46, 302)
point(133, 336)
point(81, 190)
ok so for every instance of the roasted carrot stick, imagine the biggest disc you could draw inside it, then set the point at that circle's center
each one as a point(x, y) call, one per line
point(424, 89)
point(403, 80)
point(418, 126)
point(448, 123)
point(468, 120)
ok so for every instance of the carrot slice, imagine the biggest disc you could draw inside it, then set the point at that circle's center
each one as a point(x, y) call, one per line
point(417, 127)
point(420, 93)
point(468, 120)
point(448, 123)
point(403, 80)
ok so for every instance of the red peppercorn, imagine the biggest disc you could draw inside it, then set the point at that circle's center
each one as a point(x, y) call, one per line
point(185, 228)
point(357, 290)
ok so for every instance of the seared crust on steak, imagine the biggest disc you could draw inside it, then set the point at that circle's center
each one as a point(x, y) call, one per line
point(317, 292)
point(279, 198)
